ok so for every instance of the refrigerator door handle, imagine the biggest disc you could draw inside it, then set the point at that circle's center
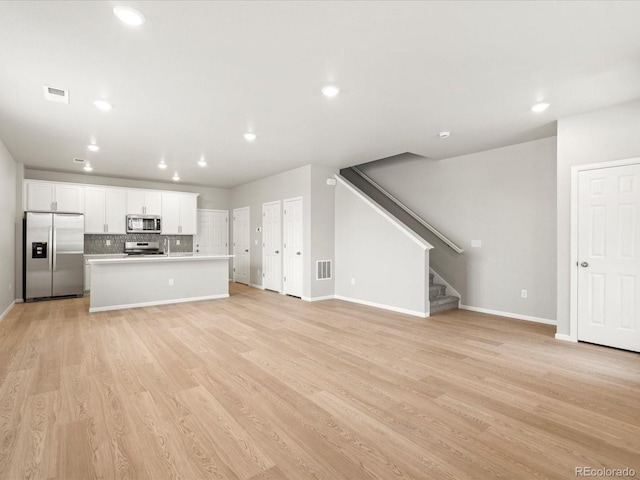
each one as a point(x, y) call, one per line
point(50, 248)
point(54, 251)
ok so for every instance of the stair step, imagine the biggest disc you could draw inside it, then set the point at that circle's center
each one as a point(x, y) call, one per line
point(436, 290)
point(444, 302)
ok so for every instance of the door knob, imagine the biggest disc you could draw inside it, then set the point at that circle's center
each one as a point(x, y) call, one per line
point(246, 251)
point(298, 253)
point(277, 251)
point(584, 264)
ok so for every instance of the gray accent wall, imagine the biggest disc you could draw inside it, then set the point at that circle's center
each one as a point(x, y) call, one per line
point(377, 262)
point(595, 137)
point(503, 197)
point(8, 224)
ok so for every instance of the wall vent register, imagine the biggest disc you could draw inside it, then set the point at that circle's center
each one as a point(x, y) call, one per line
point(323, 270)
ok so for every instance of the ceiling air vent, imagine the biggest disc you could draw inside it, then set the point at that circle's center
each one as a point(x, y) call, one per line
point(55, 94)
point(81, 161)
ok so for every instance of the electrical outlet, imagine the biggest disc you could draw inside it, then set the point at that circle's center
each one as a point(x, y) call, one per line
point(171, 282)
point(476, 243)
point(523, 294)
point(107, 242)
point(178, 242)
point(353, 281)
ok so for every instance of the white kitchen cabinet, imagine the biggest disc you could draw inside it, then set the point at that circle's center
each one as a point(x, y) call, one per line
point(144, 202)
point(105, 210)
point(179, 213)
point(53, 197)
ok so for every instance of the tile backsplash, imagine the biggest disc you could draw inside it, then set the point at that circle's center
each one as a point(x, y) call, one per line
point(97, 244)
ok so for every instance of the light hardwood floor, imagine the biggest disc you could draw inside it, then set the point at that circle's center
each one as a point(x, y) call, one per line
point(263, 386)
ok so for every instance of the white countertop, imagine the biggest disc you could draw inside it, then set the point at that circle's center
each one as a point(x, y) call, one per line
point(172, 257)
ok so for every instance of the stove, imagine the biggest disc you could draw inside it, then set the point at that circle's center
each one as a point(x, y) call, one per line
point(142, 248)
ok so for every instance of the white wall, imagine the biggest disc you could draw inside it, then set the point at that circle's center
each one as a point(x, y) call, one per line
point(214, 198)
point(377, 262)
point(601, 136)
point(506, 199)
point(8, 223)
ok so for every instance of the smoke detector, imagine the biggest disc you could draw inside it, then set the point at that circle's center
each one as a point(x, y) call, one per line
point(53, 94)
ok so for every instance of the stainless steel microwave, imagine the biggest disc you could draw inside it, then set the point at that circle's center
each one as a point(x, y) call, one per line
point(143, 224)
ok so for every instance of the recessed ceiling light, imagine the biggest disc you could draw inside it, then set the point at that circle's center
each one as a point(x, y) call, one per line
point(93, 148)
point(202, 162)
point(330, 91)
point(162, 165)
point(250, 137)
point(87, 168)
point(539, 107)
point(176, 177)
point(128, 15)
point(103, 105)
point(444, 134)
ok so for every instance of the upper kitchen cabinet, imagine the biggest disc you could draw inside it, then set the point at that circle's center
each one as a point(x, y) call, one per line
point(179, 213)
point(144, 202)
point(53, 197)
point(105, 210)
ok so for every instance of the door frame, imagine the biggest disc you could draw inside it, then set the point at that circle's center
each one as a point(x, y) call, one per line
point(575, 199)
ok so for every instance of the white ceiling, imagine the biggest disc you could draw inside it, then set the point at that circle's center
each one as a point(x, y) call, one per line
point(198, 75)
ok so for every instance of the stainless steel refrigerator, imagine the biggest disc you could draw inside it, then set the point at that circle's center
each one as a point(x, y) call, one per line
point(54, 255)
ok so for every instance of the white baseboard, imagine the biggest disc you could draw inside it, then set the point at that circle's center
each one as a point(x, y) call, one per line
point(259, 287)
point(6, 312)
point(566, 338)
point(158, 302)
point(317, 299)
point(517, 316)
point(19, 300)
point(384, 307)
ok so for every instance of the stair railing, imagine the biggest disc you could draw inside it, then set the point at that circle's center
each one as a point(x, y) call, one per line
point(410, 212)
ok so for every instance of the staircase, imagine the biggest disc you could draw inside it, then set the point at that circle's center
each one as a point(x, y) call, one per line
point(438, 298)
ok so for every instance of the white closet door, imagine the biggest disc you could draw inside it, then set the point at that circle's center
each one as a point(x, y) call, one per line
point(272, 246)
point(241, 244)
point(609, 257)
point(213, 232)
point(293, 247)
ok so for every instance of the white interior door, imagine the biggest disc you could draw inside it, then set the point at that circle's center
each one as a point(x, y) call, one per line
point(292, 247)
point(213, 232)
point(609, 256)
point(272, 246)
point(241, 244)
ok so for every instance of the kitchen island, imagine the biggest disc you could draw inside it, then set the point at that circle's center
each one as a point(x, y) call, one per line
point(142, 281)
